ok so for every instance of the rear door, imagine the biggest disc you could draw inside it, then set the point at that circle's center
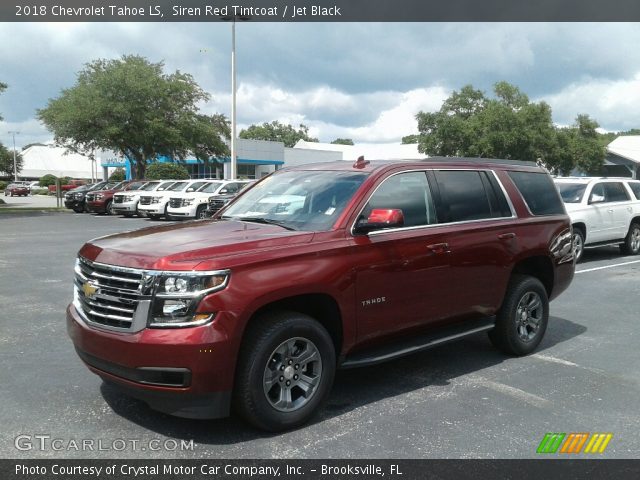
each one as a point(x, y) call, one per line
point(618, 203)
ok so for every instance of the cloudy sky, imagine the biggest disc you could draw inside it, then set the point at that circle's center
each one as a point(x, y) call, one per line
point(363, 81)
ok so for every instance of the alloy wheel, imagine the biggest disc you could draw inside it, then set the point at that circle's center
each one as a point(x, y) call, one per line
point(529, 313)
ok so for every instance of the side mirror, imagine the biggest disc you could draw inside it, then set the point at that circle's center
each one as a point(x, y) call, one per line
point(190, 189)
point(380, 218)
point(595, 198)
point(223, 191)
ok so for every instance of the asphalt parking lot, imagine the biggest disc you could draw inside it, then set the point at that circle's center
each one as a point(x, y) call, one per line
point(462, 400)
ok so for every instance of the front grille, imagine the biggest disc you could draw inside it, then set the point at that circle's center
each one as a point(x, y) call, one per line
point(175, 202)
point(216, 204)
point(118, 199)
point(116, 293)
point(145, 200)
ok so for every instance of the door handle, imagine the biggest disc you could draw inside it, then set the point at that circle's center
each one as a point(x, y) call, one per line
point(610, 210)
point(438, 248)
point(507, 236)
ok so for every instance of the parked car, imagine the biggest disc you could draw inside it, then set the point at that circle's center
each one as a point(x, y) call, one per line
point(70, 185)
point(194, 204)
point(16, 190)
point(126, 203)
point(75, 199)
point(603, 211)
point(101, 201)
point(225, 195)
point(156, 205)
point(258, 307)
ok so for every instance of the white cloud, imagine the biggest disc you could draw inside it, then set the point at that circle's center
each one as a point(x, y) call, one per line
point(31, 131)
point(610, 102)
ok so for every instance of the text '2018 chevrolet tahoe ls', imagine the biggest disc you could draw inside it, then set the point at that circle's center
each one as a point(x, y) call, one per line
point(316, 268)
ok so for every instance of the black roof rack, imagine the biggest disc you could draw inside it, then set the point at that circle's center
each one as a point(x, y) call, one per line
point(522, 163)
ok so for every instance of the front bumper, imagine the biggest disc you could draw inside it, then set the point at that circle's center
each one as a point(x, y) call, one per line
point(187, 372)
point(125, 207)
point(152, 209)
point(97, 206)
point(185, 212)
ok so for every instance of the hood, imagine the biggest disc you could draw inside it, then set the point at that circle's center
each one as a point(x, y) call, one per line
point(574, 207)
point(183, 246)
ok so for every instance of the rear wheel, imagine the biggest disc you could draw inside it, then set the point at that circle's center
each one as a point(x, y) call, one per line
point(631, 245)
point(285, 371)
point(578, 243)
point(523, 317)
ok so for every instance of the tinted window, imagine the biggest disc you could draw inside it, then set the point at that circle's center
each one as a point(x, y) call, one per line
point(635, 188)
point(571, 192)
point(615, 192)
point(538, 192)
point(408, 192)
point(465, 197)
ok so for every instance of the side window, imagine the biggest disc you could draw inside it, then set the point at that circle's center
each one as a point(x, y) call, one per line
point(410, 193)
point(597, 194)
point(539, 192)
point(635, 188)
point(615, 192)
point(468, 195)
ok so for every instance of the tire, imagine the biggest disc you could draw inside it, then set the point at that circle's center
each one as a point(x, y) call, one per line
point(78, 210)
point(154, 216)
point(109, 208)
point(514, 334)
point(578, 243)
point(201, 212)
point(631, 245)
point(271, 348)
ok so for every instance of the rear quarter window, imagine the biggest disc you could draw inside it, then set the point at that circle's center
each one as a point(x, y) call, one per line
point(635, 188)
point(539, 192)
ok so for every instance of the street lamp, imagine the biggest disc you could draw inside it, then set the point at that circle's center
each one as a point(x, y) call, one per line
point(15, 167)
point(232, 18)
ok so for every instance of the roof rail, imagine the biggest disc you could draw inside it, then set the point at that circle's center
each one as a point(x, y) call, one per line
point(524, 163)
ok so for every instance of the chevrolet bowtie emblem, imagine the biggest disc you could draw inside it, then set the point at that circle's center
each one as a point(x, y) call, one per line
point(89, 289)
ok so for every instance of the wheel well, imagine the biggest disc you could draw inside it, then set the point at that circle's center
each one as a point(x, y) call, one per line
point(539, 267)
point(634, 220)
point(582, 227)
point(319, 306)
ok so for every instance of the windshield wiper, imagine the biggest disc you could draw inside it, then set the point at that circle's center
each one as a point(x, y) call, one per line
point(267, 221)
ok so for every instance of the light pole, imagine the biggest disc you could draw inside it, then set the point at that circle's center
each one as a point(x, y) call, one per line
point(233, 171)
point(15, 167)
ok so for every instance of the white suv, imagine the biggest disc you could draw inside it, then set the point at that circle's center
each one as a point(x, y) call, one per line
point(155, 204)
point(194, 204)
point(603, 211)
point(126, 203)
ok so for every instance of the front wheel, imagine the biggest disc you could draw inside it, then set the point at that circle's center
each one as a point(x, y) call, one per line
point(631, 245)
point(522, 320)
point(109, 208)
point(285, 372)
point(201, 212)
point(578, 244)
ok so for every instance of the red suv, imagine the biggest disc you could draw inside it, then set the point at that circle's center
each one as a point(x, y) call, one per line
point(16, 189)
point(101, 201)
point(316, 268)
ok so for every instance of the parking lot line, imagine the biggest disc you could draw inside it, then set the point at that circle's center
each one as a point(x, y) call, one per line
point(607, 266)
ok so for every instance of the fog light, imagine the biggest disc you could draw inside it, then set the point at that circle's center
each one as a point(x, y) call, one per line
point(175, 307)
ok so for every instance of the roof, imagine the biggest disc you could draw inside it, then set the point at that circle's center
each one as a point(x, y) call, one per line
point(626, 146)
point(40, 160)
point(586, 180)
point(381, 151)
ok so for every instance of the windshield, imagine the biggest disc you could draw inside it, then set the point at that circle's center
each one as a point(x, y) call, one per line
point(119, 186)
point(571, 192)
point(136, 185)
point(211, 187)
point(165, 185)
point(311, 200)
point(176, 187)
point(150, 186)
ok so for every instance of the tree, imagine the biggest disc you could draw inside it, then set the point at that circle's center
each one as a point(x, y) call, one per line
point(47, 180)
point(130, 106)
point(278, 132)
point(342, 141)
point(164, 171)
point(6, 161)
point(118, 175)
point(3, 87)
point(410, 139)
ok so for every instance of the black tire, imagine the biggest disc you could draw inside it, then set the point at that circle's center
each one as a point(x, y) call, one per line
point(78, 210)
point(108, 209)
point(522, 320)
point(631, 245)
point(301, 336)
point(201, 212)
point(578, 243)
point(154, 216)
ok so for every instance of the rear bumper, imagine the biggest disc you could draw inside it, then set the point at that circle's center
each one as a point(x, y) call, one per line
point(184, 372)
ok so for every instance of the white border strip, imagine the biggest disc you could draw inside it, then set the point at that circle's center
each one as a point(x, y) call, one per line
point(607, 266)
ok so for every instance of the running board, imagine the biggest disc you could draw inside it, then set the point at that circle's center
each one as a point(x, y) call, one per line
point(418, 343)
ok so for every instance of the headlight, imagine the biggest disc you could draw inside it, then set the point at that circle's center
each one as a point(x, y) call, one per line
point(99, 196)
point(128, 198)
point(79, 196)
point(187, 201)
point(178, 296)
point(155, 199)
